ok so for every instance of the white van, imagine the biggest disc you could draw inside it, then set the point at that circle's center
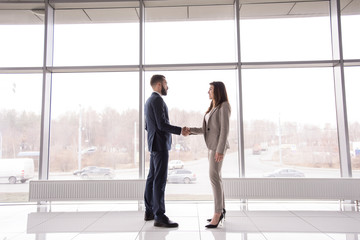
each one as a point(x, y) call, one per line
point(16, 169)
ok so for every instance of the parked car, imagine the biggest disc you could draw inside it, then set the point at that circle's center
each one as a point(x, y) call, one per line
point(95, 172)
point(181, 176)
point(16, 169)
point(285, 172)
point(176, 164)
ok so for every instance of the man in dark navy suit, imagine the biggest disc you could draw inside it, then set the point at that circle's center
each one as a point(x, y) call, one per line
point(159, 131)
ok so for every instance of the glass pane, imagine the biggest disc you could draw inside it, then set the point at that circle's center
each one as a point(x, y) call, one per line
point(188, 39)
point(350, 21)
point(22, 39)
point(20, 111)
point(98, 114)
point(187, 101)
point(290, 122)
point(96, 37)
point(352, 101)
point(285, 38)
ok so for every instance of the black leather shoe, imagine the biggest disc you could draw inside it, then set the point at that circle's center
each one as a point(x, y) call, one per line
point(165, 222)
point(216, 225)
point(148, 216)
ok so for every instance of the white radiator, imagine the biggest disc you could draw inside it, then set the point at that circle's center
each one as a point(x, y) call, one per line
point(292, 188)
point(234, 188)
point(75, 190)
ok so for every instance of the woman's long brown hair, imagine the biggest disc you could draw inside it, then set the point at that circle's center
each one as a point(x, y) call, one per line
point(220, 95)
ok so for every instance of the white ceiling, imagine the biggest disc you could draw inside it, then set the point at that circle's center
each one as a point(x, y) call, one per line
point(68, 11)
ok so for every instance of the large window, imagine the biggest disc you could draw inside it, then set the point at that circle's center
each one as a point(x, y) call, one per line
point(100, 50)
point(290, 123)
point(94, 123)
point(20, 114)
point(95, 116)
point(270, 38)
point(186, 35)
point(187, 101)
point(352, 100)
point(22, 39)
point(21, 46)
point(350, 20)
point(86, 37)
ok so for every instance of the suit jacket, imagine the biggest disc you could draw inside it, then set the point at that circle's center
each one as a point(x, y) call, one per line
point(216, 132)
point(157, 124)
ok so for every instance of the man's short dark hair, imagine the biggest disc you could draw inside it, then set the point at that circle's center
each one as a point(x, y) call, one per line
point(156, 78)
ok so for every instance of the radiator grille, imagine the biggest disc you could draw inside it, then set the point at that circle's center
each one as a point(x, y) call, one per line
point(71, 190)
point(302, 188)
point(234, 188)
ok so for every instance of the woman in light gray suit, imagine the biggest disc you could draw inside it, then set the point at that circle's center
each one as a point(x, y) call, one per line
point(215, 129)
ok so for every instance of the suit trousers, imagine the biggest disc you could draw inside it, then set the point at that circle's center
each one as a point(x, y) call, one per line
point(156, 183)
point(216, 182)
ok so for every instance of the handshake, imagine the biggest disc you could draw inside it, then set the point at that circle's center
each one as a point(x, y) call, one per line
point(185, 131)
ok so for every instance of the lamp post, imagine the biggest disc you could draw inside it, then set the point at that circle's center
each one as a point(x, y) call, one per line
point(87, 150)
point(134, 143)
point(280, 155)
point(79, 139)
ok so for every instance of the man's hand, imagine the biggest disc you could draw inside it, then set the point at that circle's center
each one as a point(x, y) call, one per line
point(185, 131)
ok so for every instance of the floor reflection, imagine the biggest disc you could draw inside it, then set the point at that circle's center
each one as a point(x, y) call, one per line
point(108, 222)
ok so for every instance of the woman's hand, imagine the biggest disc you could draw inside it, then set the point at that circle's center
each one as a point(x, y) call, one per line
point(219, 157)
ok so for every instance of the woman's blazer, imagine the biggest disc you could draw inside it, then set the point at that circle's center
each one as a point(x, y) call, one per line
point(216, 132)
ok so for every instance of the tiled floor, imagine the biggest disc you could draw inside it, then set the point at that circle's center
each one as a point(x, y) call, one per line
point(124, 220)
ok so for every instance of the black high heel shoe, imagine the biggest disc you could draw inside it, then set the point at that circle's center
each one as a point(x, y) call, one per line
point(224, 212)
point(215, 226)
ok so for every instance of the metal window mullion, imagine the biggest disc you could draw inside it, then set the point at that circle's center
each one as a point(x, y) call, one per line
point(141, 92)
point(240, 117)
point(46, 93)
point(339, 87)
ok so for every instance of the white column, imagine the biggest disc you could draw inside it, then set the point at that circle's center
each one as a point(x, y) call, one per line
point(46, 93)
point(339, 85)
point(240, 117)
point(141, 92)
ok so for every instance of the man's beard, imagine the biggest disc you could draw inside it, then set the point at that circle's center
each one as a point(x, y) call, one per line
point(163, 91)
